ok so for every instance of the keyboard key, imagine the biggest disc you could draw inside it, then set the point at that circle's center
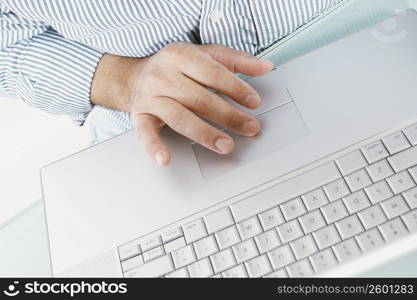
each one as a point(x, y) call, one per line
point(351, 162)
point(312, 221)
point(380, 170)
point(379, 191)
point(271, 218)
point(249, 228)
point(267, 241)
point(395, 207)
point(411, 197)
point(183, 256)
point(277, 274)
point(205, 247)
point(413, 172)
point(401, 182)
point(154, 253)
point(323, 261)
point(411, 134)
point(301, 269)
point(132, 263)
point(358, 180)
point(245, 251)
point(334, 211)
point(410, 220)
point(393, 230)
point(356, 202)
point(258, 267)
point(194, 231)
point(370, 240)
point(128, 251)
point(200, 269)
point(289, 231)
point(219, 220)
point(326, 237)
point(223, 260)
point(347, 250)
point(171, 235)
point(315, 199)
point(293, 209)
point(174, 245)
point(336, 190)
point(372, 216)
point(286, 190)
point(181, 273)
point(155, 268)
point(227, 237)
point(151, 243)
point(396, 142)
point(236, 272)
point(281, 257)
point(404, 160)
point(349, 227)
point(375, 151)
point(304, 247)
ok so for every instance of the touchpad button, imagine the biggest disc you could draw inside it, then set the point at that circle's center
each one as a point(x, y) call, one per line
point(281, 127)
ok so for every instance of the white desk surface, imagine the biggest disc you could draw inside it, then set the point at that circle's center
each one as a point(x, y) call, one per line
point(23, 241)
point(24, 245)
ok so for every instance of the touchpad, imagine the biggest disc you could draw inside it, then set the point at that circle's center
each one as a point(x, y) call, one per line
point(281, 127)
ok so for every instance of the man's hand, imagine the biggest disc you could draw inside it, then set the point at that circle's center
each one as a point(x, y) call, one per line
point(171, 87)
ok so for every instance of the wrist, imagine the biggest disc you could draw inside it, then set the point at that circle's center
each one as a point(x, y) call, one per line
point(111, 86)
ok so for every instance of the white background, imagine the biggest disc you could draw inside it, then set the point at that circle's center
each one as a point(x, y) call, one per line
point(30, 139)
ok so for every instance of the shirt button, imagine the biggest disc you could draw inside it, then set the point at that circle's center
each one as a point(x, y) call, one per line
point(216, 15)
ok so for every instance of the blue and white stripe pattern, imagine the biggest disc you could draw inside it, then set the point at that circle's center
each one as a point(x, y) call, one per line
point(49, 49)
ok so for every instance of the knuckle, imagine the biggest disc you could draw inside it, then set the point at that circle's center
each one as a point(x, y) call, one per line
point(152, 144)
point(216, 75)
point(176, 118)
point(207, 137)
point(233, 119)
point(239, 90)
point(202, 102)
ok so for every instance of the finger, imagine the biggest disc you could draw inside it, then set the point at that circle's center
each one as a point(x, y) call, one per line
point(148, 128)
point(212, 107)
point(210, 73)
point(238, 61)
point(191, 126)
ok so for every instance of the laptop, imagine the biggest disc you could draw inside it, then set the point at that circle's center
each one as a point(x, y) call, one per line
point(327, 189)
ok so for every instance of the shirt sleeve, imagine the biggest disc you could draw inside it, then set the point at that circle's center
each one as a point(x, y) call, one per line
point(41, 67)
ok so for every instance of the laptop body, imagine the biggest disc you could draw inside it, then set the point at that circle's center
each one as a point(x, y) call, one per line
point(110, 204)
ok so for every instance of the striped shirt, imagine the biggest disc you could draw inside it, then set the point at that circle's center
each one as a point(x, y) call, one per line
point(49, 49)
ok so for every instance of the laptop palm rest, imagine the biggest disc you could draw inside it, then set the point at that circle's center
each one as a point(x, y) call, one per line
point(281, 127)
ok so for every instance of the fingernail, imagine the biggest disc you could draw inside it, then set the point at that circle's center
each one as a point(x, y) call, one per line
point(160, 158)
point(267, 63)
point(253, 100)
point(224, 145)
point(251, 127)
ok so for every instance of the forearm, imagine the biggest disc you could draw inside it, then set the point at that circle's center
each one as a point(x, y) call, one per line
point(112, 85)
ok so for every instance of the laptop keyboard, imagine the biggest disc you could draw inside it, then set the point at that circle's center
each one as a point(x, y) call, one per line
point(354, 205)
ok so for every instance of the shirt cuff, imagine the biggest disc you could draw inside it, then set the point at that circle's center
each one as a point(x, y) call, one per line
point(56, 74)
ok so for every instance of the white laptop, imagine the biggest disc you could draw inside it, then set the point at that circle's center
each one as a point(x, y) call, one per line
point(327, 189)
